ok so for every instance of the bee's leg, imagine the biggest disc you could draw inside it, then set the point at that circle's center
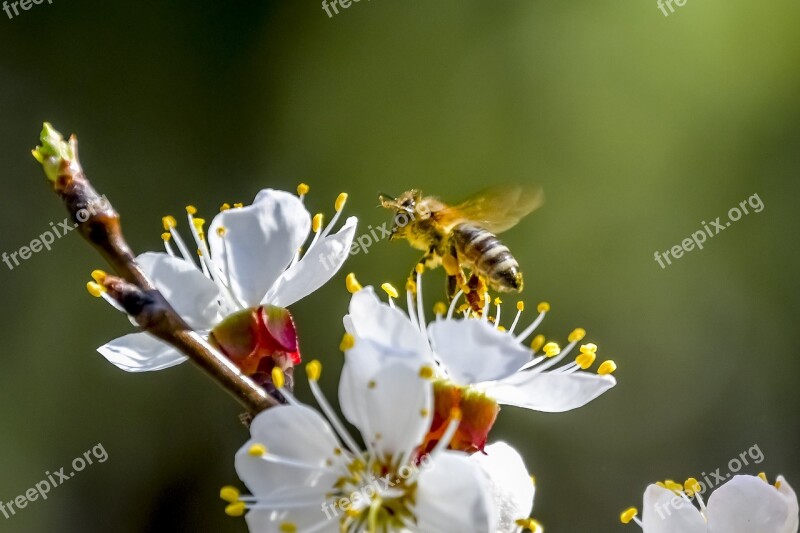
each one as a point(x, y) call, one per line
point(455, 276)
point(451, 287)
point(475, 296)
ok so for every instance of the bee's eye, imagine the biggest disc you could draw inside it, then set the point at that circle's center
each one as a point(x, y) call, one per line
point(401, 219)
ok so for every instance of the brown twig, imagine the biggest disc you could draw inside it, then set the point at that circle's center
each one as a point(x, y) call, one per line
point(99, 224)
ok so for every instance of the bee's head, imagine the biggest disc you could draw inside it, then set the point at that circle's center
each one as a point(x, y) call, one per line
point(404, 208)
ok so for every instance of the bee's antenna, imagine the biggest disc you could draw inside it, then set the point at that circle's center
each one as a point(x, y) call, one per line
point(386, 200)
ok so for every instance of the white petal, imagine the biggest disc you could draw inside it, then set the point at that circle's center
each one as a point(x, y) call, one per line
point(473, 350)
point(747, 504)
point(370, 318)
point(314, 269)
point(292, 432)
point(141, 352)
point(512, 488)
point(382, 394)
point(310, 518)
point(259, 242)
point(791, 498)
point(549, 392)
point(664, 511)
point(193, 295)
point(454, 496)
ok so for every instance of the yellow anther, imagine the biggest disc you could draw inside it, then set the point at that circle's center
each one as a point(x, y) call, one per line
point(352, 513)
point(456, 414)
point(340, 201)
point(628, 514)
point(257, 450)
point(763, 477)
point(221, 231)
point(577, 335)
point(426, 372)
point(520, 306)
point(192, 210)
point(607, 367)
point(238, 204)
point(588, 348)
point(166, 236)
point(278, 378)
point(229, 494)
point(691, 486)
point(352, 284)
point(314, 370)
point(533, 480)
point(288, 527)
point(303, 189)
point(169, 222)
point(390, 290)
point(371, 384)
point(450, 265)
point(497, 301)
point(551, 349)
point(501, 328)
point(673, 486)
point(198, 223)
point(225, 206)
point(530, 524)
point(348, 341)
point(439, 308)
point(95, 289)
point(235, 509)
point(585, 360)
point(99, 275)
point(537, 342)
point(419, 268)
point(543, 307)
point(777, 484)
point(411, 286)
point(424, 413)
point(316, 222)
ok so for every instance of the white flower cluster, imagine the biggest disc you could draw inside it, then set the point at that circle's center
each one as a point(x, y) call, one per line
point(745, 504)
point(423, 394)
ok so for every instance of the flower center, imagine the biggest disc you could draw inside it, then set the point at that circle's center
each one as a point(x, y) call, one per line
point(478, 415)
point(375, 495)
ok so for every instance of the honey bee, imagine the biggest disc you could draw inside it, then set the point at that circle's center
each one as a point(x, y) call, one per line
point(464, 236)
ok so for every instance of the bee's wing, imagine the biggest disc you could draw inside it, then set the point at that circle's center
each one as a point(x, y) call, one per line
point(495, 209)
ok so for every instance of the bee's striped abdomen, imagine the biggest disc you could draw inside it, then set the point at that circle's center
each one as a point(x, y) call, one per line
point(483, 251)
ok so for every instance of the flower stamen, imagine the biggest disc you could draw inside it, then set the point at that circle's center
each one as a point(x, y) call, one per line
point(170, 225)
point(314, 371)
point(453, 304)
point(629, 515)
point(352, 284)
point(302, 190)
point(166, 236)
point(420, 268)
point(543, 308)
point(530, 524)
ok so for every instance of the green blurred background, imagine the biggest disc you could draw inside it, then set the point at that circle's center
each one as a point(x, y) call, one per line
point(638, 126)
